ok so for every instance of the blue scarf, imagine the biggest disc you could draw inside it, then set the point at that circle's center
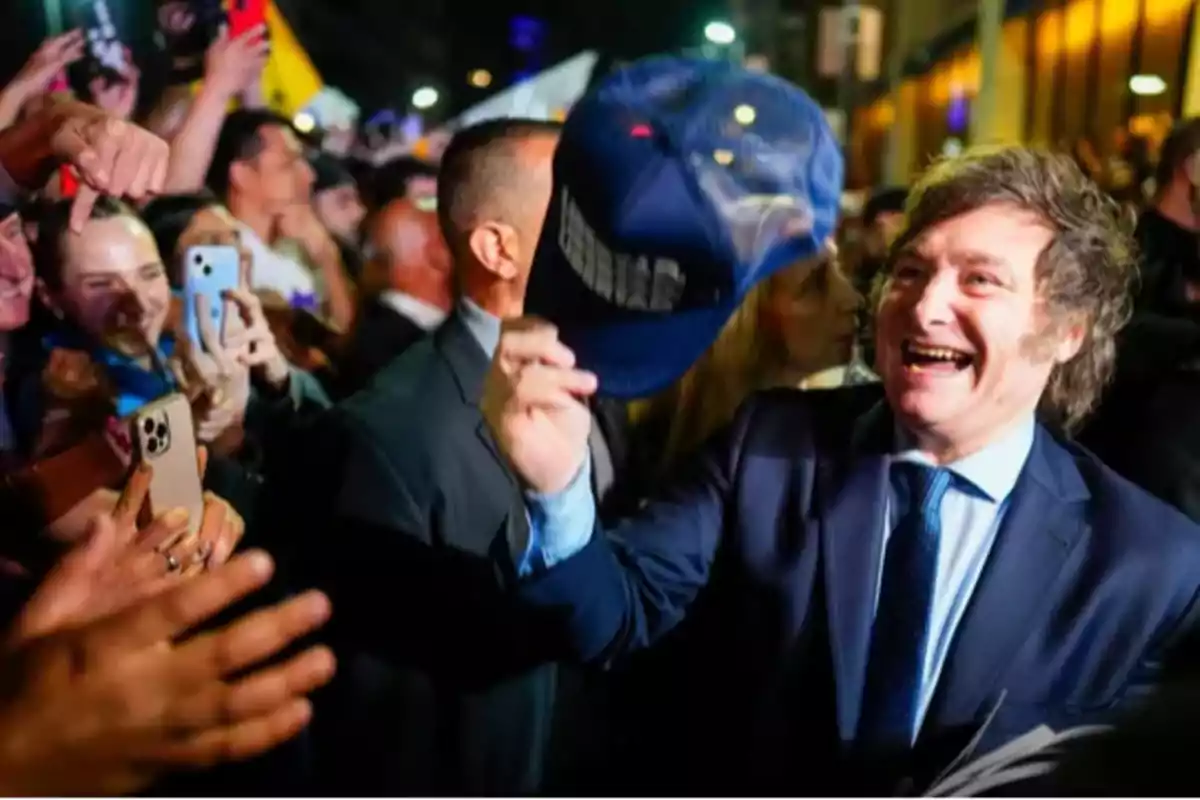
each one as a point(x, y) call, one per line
point(134, 384)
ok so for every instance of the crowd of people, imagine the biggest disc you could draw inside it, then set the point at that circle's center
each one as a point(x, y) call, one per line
point(591, 459)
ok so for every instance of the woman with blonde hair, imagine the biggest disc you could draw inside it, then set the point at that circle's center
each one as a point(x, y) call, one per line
point(797, 328)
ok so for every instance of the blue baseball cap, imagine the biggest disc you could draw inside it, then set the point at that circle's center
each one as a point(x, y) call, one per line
point(679, 184)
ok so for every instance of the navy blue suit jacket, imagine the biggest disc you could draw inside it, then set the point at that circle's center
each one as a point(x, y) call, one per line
point(774, 538)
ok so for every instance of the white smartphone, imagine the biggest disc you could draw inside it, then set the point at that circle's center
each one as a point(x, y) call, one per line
point(164, 437)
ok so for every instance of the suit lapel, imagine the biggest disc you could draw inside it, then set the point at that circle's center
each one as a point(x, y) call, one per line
point(853, 499)
point(469, 364)
point(1040, 530)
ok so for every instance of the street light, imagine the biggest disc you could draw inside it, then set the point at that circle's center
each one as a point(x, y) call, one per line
point(719, 32)
point(304, 122)
point(1147, 85)
point(425, 97)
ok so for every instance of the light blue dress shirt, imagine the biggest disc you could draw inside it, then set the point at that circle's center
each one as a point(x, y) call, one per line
point(484, 327)
point(561, 525)
point(971, 512)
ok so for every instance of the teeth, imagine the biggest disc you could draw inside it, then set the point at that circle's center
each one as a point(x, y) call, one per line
point(942, 353)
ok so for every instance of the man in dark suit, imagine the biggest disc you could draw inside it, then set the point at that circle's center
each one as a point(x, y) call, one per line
point(881, 574)
point(409, 290)
point(421, 497)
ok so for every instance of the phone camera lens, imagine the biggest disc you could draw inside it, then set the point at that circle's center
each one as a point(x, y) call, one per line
point(207, 270)
point(198, 258)
point(148, 426)
point(161, 431)
point(152, 446)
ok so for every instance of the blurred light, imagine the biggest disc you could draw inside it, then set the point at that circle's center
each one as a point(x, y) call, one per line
point(719, 32)
point(525, 34)
point(523, 75)
point(745, 115)
point(952, 147)
point(641, 131)
point(425, 97)
point(723, 157)
point(480, 78)
point(957, 113)
point(304, 122)
point(758, 63)
point(1147, 85)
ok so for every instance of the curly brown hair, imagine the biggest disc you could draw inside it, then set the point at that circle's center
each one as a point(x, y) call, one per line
point(1084, 276)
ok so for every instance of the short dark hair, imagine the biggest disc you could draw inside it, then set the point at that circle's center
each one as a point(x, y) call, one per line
point(478, 164)
point(169, 216)
point(329, 172)
point(1087, 270)
point(52, 231)
point(889, 200)
point(1181, 144)
point(240, 140)
point(390, 180)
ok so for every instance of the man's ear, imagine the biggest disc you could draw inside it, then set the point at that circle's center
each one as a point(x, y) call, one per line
point(239, 174)
point(496, 246)
point(1070, 341)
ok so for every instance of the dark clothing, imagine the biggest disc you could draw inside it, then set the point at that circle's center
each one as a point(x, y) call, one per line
point(379, 336)
point(444, 687)
point(773, 538)
point(1170, 258)
point(1148, 425)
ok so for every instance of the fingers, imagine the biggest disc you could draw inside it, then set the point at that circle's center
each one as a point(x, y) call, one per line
point(133, 496)
point(208, 335)
point(222, 528)
point(251, 639)
point(168, 616)
point(538, 368)
point(96, 164)
point(247, 303)
point(540, 386)
point(165, 531)
point(254, 35)
point(526, 341)
point(81, 207)
point(67, 589)
point(68, 48)
point(257, 694)
point(129, 163)
point(241, 741)
point(201, 461)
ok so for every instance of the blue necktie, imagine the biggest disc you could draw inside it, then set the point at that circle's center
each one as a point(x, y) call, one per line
point(901, 630)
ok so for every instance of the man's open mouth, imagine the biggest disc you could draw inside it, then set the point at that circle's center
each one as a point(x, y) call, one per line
point(923, 357)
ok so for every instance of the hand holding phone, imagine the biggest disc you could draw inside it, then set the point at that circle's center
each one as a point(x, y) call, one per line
point(164, 438)
point(209, 272)
point(244, 15)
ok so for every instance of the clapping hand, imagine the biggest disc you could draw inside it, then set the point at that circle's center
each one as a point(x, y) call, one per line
point(109, 705)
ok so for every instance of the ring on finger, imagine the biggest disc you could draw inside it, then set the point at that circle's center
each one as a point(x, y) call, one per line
point(173, 564)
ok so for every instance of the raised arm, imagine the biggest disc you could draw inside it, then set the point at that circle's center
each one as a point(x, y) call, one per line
point(610, 593)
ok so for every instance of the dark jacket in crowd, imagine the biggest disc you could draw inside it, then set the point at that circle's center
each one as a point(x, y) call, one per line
point(442, 685)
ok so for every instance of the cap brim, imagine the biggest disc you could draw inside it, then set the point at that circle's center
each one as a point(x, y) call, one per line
point(641, 357)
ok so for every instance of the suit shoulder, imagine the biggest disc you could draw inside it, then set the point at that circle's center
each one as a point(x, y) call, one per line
point(405, 394)
point(830, 413)
point(1134, 519)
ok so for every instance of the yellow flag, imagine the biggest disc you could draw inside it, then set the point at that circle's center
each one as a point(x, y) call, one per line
point(290, 81)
